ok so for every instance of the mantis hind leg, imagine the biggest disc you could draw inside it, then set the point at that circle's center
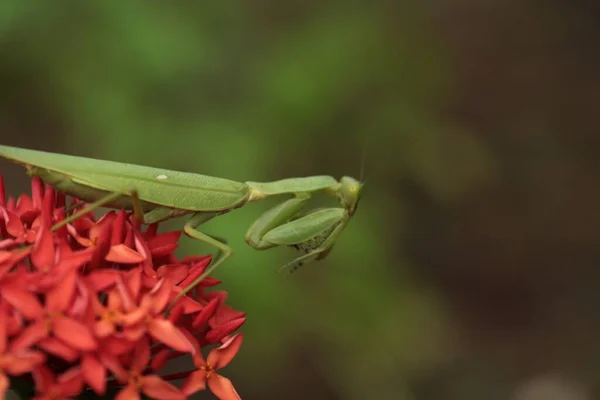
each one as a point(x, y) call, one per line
point(110, 197)
point(224, 251)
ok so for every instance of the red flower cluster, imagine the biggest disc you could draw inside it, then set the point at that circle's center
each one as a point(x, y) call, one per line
point(92, 304)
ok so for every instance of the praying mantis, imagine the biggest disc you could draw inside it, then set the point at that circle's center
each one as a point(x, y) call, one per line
point(156, 195)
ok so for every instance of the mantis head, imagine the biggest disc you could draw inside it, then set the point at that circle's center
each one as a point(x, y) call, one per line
point(350, 192)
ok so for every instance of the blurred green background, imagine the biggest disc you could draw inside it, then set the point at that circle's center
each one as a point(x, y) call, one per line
point(470, 268)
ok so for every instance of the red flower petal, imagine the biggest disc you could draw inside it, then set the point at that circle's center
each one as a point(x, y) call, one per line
point(15, 324)
point(116, 346)
point(163, 250)
point(207, 312)
point(58, 348)
point(75, 259)
point(43, 253)
point(123, 255)
point(61, 200)
point(104, 328)
point(112, 363)
point(141, 356)
point(166, 332)
point(223, 355)
point(47, 207)
point(5, 256)
point(10, 204)
point(151, 231)
point(101, 238)
point(163, 239)
point(81, 301)
point(101, 279)
point(156, 388)
point(195, 382)
point(105, 223)
point(166, 239)
point(128, 241)
point(196, 270)
point(30, 336)
point(26, 303)
point(15, 257)
point(61, 233)
point(74, 334)
point(43, 378)
point(160, 359)
point(83, 241)
point(143, 249)
point(3, 331)
point(87, 220)
point(24, 202)
point(225, 313)
point(189, 306)
point(160, 296)
point(37, 192)
point(133, 278)
point(70, 382)
point(129, 392)
point(2, 192)
point(215, 335)
point(135, 316)
point(191, 260)
point(118, 229)
point(30, 235)
point(25, 361)
point(175, 272)
point(134, 333)
point(222, 388)
point(25, 208)
point(4, 382)
point(13, 223)
point(127, 300)
point(6, 243)
point(209, 282)
point(94, 373)
point(59, 298)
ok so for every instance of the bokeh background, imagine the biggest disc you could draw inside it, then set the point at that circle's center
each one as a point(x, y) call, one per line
point(470, 270)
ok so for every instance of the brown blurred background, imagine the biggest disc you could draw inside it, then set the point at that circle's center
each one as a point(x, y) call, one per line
point(470, 270)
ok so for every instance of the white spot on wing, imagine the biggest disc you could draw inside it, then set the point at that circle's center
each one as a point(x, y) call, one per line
point(161, 177)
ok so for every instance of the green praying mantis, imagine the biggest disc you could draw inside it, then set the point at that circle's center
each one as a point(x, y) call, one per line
point(155, 195)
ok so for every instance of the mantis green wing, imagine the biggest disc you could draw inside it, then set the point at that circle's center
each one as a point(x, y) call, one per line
point(155, 186)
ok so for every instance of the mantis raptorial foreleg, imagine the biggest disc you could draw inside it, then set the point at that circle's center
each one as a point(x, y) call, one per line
point(316, 248)
point(313, 234)
point(273, 218)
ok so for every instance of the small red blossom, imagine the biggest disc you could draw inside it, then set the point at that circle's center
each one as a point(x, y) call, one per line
point(94, 304)
point(206, 373)
point(136, 381)
point(50, 387)
point(14, 362)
